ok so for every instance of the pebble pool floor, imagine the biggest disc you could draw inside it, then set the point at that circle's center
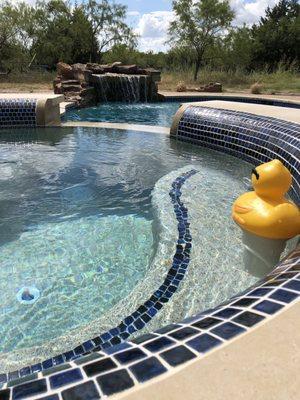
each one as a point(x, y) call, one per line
point(72, 180)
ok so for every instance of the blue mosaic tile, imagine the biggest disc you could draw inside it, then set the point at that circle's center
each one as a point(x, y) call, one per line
point(87, 358)
point(84, 391)
point(4, 394)
point(99, 367)
point(117, 348)
point(207, 323)
point(159, 344)
point(260, 292)
point(56, 368)
point(144, 338)
point(248, 319)
point(34, 388)
point(177, 355)
point(227, 312)
point(129, 356)
point(204, 343)
point(147, 369)
point(65, 378)
point(268, 307)
point(184, 333)
point(245, 302)
point(3, 378)
point(168, 328)
point(13, 375)
point(22, 379)
point(284, 296)
point(293, 285)
point(51, 397)
point(115, 382)
point(16, 113)
point(228, 330)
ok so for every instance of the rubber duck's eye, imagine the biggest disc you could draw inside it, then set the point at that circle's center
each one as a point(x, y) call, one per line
point(255, 173)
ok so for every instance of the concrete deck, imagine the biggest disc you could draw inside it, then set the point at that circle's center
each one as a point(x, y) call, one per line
point(263, 364)
point(289, 98)
point(55, 98)
point(285, 113)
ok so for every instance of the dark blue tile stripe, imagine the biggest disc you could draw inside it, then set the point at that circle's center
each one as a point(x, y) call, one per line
point(17, 113)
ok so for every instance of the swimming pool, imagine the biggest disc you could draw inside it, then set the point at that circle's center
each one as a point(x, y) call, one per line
point(87, 219)
point(160, 114)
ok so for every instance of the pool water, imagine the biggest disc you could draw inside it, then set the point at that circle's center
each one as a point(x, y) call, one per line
point(79, 224)
point(160, 114)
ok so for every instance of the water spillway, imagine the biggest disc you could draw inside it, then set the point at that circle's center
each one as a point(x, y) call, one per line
point(122, 87)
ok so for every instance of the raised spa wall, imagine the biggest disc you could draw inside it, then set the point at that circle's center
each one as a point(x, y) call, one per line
point(193, 358)
point(30, 110)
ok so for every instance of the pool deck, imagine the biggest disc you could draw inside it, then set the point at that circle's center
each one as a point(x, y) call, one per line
point(284, 113)
point(261, 365)
point(55, 98)
point(290, 98)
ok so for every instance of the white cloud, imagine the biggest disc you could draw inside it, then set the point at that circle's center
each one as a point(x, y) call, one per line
point(250, 13)
point(153, 30)
point(153, 27)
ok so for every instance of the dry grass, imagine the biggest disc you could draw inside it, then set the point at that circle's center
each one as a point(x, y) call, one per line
point(27, 82)
point(256, 88)
point(284, 82)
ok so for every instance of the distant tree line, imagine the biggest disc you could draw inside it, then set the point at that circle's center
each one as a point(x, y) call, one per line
point(202, 34)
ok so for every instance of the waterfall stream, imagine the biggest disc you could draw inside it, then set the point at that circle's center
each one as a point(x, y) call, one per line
point(121, 87)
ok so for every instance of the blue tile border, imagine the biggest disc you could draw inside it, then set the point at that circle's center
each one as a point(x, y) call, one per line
point(108, 363)
point(17, 113)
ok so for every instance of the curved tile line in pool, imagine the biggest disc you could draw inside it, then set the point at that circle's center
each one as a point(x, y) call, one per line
point(138, 319)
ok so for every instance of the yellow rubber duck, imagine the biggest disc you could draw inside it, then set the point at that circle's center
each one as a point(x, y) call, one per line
point(266, 211)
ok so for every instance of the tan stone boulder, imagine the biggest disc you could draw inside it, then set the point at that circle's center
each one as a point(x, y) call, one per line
point(65, 70)
point(78, 71)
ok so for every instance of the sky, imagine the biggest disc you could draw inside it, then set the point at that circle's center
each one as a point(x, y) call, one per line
point(150, 18)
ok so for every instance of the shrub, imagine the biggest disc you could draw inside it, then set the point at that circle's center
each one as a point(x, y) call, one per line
point(256, 88)
point(181, 87)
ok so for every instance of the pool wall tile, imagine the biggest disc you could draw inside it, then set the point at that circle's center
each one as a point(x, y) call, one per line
point(17, 113)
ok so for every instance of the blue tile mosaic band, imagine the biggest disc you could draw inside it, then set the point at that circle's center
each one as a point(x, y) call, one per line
point(17, 113)
point(249, 100)
point(253, 138)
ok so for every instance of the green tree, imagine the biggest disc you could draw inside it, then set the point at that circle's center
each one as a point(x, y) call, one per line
point(198, 24)
point(108, 26)
point(277, 36)
point(14, 39)
point(237, 49)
